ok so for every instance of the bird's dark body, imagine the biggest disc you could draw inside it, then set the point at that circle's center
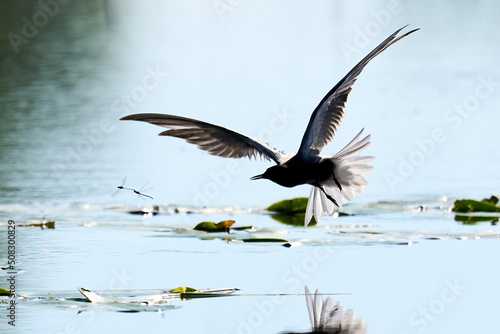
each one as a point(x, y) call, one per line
point(297, 171)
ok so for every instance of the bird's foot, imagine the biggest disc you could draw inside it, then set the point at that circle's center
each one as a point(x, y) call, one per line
point(337, 182)
point(329, 197)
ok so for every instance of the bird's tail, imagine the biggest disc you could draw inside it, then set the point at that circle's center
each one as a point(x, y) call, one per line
point(347, 178)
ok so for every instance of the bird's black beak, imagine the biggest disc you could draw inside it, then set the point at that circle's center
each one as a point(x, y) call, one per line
point(256, 177)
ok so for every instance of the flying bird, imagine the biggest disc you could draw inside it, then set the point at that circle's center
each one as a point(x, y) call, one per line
point(333, 179)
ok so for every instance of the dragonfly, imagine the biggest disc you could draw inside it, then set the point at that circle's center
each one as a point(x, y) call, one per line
point(138, 192)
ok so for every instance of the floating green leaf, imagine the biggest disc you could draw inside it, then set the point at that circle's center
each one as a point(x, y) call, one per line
point(295, 219)
point(470, 205)
point(222, 226)
point(294, 205)
point(4, 292)
point(292, 211)
point(183, 289)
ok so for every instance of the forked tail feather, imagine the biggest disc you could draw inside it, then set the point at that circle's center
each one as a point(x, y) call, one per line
point(348, 169)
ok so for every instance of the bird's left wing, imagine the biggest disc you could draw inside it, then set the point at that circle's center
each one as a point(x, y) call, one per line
point(327, 116)
point(214, 139)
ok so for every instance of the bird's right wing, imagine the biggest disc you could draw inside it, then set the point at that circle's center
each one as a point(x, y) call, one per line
point(214, 139)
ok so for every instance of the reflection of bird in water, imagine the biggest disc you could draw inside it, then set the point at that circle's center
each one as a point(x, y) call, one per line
point(329, 318)
point(333, 179)
point(138, 192)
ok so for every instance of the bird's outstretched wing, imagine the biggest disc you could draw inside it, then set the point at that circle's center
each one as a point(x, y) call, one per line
point(328, 114)
point(214, 139)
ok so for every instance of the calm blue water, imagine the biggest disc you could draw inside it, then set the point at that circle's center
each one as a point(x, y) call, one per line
point(430, 103)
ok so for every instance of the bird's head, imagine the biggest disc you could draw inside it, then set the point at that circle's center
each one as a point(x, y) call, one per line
point(274, 173)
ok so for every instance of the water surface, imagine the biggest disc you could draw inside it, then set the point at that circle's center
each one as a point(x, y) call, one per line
point(258, 68)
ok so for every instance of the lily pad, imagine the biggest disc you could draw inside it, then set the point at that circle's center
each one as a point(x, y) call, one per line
point(4, 292)
point(183, 289)
point(292, 211)
point(295, 219)
point(470, 205)
point(294, 205)
point(222, 226)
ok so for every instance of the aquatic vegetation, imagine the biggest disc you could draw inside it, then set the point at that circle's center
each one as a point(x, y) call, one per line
point(470, 205)
point(289, 206)
point(477, 211)
point(471, 220)
point(119, 300)
point(183, 289)
point(4, 292)
point(294, 219)
point(290, 211)
point(160, 297)
point(44, 224)
point(223, 226)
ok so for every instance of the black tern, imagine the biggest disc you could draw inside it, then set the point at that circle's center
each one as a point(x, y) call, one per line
point(333, 179)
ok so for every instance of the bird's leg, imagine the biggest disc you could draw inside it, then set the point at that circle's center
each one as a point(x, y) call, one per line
point(337, 182)
point(328, 196)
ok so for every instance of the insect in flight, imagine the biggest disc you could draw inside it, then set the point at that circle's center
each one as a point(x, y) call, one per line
point(138, 192)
